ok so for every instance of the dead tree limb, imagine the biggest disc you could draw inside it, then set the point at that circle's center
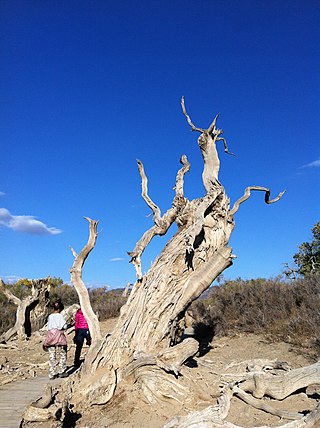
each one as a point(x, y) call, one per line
point(266, 407)
point(207, 419)
point(46, 399)
point(280, 387)
point(247, 194)
point(161, 224)
point(76, 279)
point(214, 416)
point(207, 143)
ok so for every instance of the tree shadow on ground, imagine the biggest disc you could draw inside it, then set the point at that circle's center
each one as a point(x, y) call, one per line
point(71, 419)
point(203, 333)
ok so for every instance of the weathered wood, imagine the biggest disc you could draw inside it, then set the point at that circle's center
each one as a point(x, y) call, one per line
point(44, 401)
point(208, 419)
point(170, 359)
point(266, 407)
point(277, 386)
point(282, 386)
point(15, 396)
point(76, 279)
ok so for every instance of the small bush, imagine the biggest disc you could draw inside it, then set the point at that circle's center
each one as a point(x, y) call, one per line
point(107, 304)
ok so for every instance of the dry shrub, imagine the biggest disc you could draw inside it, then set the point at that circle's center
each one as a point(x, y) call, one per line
point(284, 310)
point(107, 304)
point(65, 293)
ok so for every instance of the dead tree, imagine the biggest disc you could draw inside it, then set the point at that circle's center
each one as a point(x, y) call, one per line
point(32, 311)
point(76, 279)
point(142, 344)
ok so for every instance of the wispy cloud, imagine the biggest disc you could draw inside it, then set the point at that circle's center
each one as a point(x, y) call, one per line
point(92, 285)
point(10, 279)
point(25, 224)
point(117, 259)
point(314, 164)
point(2, 194)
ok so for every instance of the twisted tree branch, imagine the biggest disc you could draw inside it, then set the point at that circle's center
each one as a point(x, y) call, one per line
point(144, 194)
point(193, 127)
point(247, 194)
point(22, 312)
point(161, 224)
point(207, 143)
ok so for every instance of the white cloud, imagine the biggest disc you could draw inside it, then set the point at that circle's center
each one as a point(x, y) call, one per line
point(10, 279)
point(97, 285)
point(2, 194)
point(25, 224)
point(314, 164)
point(117, 259)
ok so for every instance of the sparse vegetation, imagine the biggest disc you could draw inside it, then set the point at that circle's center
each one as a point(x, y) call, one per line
point(281, 309)
point(288, 311)
point(106, 303)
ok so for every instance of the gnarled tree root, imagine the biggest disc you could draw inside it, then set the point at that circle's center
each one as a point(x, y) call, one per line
point(43, 410)
point(278, 387)
point(210, 418)
point(45, 400)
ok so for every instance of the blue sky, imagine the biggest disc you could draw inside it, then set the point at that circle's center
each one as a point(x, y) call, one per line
point(88, 87)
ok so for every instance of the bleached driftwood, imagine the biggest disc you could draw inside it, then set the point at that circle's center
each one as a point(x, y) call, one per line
point(209, 419)
point(35, 414)
point(46, 399)
point(280, 387)
point(276, 386)
point(42, 410)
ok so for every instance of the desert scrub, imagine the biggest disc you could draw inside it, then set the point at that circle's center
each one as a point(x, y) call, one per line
point(281, 309)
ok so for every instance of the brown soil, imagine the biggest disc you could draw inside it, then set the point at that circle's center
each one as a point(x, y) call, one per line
point(226, 360)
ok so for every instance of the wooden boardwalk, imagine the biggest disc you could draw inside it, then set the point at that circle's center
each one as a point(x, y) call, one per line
point(15, 396)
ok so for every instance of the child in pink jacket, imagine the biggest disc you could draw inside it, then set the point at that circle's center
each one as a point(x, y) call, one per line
point(81, 332)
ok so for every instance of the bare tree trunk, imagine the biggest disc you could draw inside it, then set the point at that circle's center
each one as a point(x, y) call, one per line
point(26, 322)
point(143, 342)
point(76, 278)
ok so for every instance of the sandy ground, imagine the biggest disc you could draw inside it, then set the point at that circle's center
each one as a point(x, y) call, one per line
point(226, 359)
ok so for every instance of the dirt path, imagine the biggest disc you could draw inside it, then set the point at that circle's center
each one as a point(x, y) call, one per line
point(15, 396)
